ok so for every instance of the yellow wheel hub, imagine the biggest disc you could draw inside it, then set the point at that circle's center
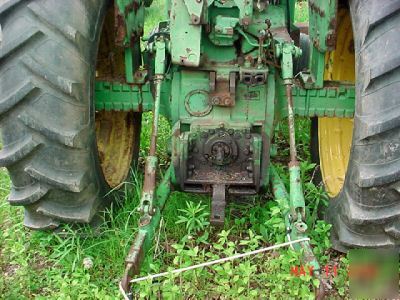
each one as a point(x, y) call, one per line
point(117, 132)
point(117, 135)
point(335, 134)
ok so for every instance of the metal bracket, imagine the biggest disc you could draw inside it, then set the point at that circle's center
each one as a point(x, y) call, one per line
point(185, 37)
point(218, 204)
point(245, 11)
point(146, 233)
point(222, 90)
point(195, 9)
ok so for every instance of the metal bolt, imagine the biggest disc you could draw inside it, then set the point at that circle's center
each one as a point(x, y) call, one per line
point(301, 227)
point(227, 100)
point(216, 100)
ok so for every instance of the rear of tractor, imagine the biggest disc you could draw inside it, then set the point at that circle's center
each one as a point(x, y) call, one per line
point(75, 77)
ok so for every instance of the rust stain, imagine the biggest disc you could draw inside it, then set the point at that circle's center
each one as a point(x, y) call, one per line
point(120, 29)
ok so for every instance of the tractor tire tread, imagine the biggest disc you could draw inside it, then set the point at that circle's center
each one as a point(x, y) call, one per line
point(367, 211)
point(45, 109)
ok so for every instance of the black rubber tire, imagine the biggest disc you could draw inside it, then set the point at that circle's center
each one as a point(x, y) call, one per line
point(48, 55)
point(366, 213)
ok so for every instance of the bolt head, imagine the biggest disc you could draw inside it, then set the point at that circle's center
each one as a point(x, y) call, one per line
point(227, 100)
point(216, 100)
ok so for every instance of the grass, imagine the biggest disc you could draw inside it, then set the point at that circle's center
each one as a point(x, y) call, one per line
point(86, 263)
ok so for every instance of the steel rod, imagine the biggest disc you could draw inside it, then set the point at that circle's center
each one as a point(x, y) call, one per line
point(292, 136)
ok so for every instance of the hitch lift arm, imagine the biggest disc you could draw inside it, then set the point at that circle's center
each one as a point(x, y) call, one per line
point(152, 200)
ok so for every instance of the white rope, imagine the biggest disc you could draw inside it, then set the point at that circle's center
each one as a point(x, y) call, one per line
point(121, 290)
point(210, 263)
point(218, 261)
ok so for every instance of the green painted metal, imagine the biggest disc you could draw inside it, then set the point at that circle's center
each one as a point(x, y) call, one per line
point(335, 100)
point(294, 229)
point(297, 204)
point(322, 30)
point(162, 194)
point(130, 14)
point(148, 194)
point(287, 51)
point(152, 200)
point(195, 10)
point(185, 36)
point(223, 33)
point(160, 58)
point(322, 20)
point(147, 228)
point(129, 65)
point(120, 96)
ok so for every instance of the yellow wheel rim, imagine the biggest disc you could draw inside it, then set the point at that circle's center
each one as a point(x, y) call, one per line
point(335, 134)
point(117, 132)
point(117, 135)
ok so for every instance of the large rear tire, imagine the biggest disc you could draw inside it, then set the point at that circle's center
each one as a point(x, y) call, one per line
point(366, 211)
point(48, 56)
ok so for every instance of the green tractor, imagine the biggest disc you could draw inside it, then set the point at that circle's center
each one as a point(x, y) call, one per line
point(75, 77)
